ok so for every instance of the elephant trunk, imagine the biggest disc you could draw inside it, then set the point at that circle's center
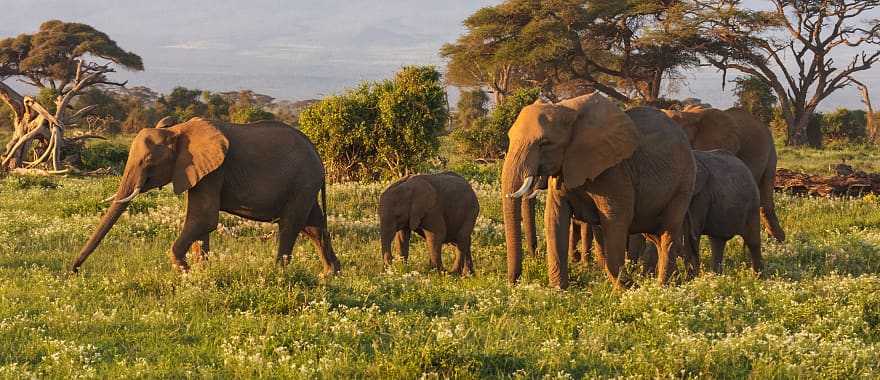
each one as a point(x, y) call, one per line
point(513, 177)
point(387, 235)
point(129, 187)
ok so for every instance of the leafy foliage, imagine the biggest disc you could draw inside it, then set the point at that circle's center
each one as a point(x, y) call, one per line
point(756, 97)
point(471, 107)
point(51, 54)
point(104, 155)
point(380, 129)
point(487, 136)
point(250, 114)
point(844, 124)
point(625, 49)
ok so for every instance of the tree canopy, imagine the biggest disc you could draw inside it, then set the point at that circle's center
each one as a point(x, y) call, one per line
point(625, 49)
point(791, 48)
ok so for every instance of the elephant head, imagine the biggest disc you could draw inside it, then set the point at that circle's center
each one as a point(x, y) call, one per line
point(403, 206)
point(181, 154)
point(707, 128)
point(575, 141)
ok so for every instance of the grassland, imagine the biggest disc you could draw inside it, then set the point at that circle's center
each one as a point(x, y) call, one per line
point(815, 315)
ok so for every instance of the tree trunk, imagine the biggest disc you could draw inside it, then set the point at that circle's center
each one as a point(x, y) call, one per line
point(801, 130)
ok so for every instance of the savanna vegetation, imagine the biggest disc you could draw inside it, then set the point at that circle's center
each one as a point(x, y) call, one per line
point(815, 312)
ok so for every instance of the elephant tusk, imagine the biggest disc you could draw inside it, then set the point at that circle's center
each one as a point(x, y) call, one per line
point(527, 185)
point(127, 199)
point(533, 194)
point(112, 197)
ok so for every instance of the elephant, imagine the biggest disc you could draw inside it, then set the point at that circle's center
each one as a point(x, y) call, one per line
point(265, 171)
point(442, 208)
point(626, 173)
point(740, 133)
point(726, 203)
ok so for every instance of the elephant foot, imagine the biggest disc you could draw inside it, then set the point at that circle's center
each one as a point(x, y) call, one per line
point(282, 261)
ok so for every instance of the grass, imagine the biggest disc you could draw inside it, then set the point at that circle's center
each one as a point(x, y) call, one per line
point(815, 315)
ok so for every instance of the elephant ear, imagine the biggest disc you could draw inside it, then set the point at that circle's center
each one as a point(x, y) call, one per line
point(423, 198)
point(714, 129)
point(201, 149)
point(602, 137)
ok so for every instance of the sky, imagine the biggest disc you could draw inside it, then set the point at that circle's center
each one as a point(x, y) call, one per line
point(295, 49)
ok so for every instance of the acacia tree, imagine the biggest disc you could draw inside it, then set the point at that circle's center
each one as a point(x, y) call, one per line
point(66, 59)
point(791, 48)
point(625, 49)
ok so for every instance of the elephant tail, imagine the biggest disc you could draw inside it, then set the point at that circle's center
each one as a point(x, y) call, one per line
point(325, 235)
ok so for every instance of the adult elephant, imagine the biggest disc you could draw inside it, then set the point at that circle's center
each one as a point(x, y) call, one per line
point(625, 172)
point(740, 133)
point(265, 171)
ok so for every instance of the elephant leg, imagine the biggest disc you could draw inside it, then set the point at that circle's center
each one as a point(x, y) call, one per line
point(528, 222)
point(586, 232)
point(718, 245)
point(613, 252)
point(557, 222)
point(574, 237)
point(463, 264)
point(752, 240)
point(202, 215)
point(317, 232)
point(648, 256)
point(671, 235)
point(435, 248)
point(402, 237)
point(293, 220)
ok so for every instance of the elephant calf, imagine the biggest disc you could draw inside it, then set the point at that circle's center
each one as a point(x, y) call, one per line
point(441, 207)
point(726, 203)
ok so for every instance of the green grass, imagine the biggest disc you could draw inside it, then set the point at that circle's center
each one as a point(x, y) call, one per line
point(815, 315)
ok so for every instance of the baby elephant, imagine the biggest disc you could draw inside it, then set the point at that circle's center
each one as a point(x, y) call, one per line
point(726, 203)
point(441, 207)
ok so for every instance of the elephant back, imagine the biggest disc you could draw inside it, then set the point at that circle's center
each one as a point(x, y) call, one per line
point(658, 131)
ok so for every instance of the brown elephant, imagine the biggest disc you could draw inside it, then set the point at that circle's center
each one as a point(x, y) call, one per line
point(629, 172)
point(740, 133)
point(441, 207)
point(265, 171)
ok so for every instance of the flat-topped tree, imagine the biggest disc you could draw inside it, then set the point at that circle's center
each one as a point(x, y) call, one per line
point(64, 58)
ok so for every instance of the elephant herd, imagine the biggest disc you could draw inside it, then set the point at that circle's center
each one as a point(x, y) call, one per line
point(671, 176)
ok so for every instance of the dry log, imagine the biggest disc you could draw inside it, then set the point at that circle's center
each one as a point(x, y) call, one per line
point(848, 182)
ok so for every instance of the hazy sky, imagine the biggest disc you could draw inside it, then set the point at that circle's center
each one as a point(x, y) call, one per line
point(290, 49)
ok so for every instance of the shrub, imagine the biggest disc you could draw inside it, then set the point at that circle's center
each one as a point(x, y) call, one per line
point(379, 129)
point(487, 137)
point(844, 124)
point(250, 114)
point(103, 155)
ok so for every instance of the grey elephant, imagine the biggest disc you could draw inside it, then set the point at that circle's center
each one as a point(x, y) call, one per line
point(442, 208)
point(629, 172)
point(265, 171)
point(726, 203)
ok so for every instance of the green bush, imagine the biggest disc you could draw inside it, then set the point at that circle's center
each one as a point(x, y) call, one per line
point(250, 114)
point(844, 124)
point(380, 129)
point(103, 155)
point(487, 136)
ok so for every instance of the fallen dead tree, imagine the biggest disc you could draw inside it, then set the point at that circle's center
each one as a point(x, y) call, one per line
point(846, 182)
